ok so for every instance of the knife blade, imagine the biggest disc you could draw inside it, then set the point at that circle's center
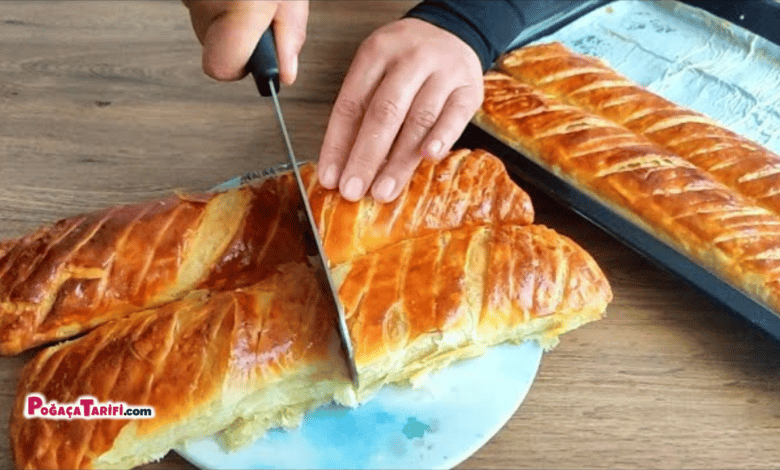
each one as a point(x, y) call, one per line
point(265, 70)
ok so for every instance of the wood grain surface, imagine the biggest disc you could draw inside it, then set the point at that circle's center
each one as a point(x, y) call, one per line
point(104, 103)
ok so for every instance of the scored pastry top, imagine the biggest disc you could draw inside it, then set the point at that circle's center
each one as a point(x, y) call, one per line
point(677, 174)
point(86, 270)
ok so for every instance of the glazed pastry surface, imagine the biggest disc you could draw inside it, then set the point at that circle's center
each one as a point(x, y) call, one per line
point(258, 357)
point(591, 84)
point(723, 229)
point(80, 272)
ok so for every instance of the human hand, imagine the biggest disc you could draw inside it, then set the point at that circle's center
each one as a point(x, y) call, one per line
point(230, 30)
point(410, 91)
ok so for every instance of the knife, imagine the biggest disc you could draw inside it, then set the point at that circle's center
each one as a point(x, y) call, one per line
point(265, 70)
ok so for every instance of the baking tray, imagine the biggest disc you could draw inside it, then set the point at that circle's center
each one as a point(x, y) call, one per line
point(718, 58)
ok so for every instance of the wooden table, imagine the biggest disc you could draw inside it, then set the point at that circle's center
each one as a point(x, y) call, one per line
point(104, 103)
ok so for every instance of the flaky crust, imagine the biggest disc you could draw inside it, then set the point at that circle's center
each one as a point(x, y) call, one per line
point(469, 187)
point(662, 192)
point(81, 272)
point(591, 84)
point(84, 271)
point(483, 281)
point(210, 356)
point(189, 356)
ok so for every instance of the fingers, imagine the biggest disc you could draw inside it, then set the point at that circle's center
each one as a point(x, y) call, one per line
point(461, 105)
point(430, 121)
point(230, 30)
point(231, 37)
point(290, 31)
point(381, 122)
point(201, 15)
point(409, 93)
point(405, 154)
point(359, 84)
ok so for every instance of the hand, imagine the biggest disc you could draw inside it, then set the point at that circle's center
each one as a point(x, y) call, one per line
point(230, 30)
point(409, 93)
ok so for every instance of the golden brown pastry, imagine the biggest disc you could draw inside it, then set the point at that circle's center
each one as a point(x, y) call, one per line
point(591, 84)
point(63, 280)
point(81, 272)
point(468, 187)
point(260, 356)
point(667, 195)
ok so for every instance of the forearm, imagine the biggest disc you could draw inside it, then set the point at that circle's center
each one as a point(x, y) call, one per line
point(489, 27)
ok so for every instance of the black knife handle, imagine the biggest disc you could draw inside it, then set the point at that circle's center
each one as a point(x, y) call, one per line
point(263, 64)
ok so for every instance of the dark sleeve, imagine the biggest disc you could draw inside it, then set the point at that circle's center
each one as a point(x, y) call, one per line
point(488, 26)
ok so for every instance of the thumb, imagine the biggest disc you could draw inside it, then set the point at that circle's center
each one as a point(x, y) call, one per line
point(290, 32)
point(231, 37)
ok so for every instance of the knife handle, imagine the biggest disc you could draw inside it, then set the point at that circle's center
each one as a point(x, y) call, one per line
point(263, 64)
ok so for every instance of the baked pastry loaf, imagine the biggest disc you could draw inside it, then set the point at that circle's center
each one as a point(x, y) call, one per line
point(591, 84)
point(84, 271)
point(664, 193)
point(260, 356)
point(65, 279)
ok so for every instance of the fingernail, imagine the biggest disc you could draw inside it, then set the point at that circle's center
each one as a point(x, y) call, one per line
point(330, 178)
point(353, 189)
point(384, 189)
point(434, 148)
point(294, 68)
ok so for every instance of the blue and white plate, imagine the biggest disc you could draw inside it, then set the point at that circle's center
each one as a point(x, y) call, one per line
point(436, 425)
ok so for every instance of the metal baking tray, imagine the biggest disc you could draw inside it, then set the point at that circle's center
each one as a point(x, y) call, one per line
point(721, 58)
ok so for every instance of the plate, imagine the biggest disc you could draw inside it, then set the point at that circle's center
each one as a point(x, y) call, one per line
point(438, 424)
